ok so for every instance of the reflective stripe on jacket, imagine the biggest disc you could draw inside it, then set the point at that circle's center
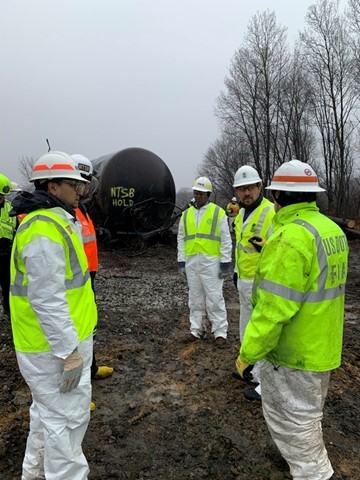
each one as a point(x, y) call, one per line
point(7, 224)
point(259, 223)
point(204, 238)
point(89, 239)
point(298, 315)
point(27, 331)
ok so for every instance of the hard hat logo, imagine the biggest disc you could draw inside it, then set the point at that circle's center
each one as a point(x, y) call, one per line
point(84, 168)
point(307, 172)
point(6, 189)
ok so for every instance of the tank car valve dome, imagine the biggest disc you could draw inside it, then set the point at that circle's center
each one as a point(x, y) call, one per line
point(202, 184)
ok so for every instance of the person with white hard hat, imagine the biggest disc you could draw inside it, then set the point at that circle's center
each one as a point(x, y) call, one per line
point(204, 256)
point(53, 315)
point(296, 327)
point(253, 225)
point(88, 232)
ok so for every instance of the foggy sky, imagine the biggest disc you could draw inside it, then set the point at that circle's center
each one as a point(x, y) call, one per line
point(98, 76)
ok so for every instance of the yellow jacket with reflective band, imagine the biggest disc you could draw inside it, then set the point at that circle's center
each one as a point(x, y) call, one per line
point(298, 315)
point(206, 237)
point(27, 332)
point(259, 223)
point(7, 224)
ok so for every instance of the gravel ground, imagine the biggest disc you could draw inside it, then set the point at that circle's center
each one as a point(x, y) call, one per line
point(171, 410)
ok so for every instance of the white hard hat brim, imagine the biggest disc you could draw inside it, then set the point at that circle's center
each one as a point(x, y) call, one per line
point(243, 184)
point(294, 187)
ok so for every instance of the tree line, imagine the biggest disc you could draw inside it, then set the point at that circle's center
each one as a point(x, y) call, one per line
point(279, 104)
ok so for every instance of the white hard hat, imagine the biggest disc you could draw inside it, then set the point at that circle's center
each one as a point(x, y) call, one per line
point(85, 167)
point(202, 184)
point(295, 176)
point(246, 175)
point(234, 199)
point(15, 187)
point(55, 165)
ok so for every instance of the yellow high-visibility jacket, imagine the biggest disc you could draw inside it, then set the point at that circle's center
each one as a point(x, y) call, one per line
point(32, 319)
point(258, 223)
point(298, 315)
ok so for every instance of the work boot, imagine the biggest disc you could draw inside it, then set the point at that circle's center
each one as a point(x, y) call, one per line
point(220, 342)
point(92, 406)
point(103, 372)
point(252, 394)
point(189, 338)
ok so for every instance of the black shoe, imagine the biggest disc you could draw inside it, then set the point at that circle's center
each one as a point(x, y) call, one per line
point(252, 394)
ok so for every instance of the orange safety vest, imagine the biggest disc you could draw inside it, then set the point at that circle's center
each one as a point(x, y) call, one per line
point(89, 239)
point(21, 217)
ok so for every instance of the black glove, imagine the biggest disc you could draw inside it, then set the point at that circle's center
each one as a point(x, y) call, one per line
point(224, 270)
point(244, 369)
point(235, 279)
point(181, 268)
point(258, 242)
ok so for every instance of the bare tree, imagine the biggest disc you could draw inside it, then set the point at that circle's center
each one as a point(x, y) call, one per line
point(25, 168)
point(353, 18)
point(221, 161)
point(183, 197)
point(330, 61)
point(254, 89)
point(297, 140)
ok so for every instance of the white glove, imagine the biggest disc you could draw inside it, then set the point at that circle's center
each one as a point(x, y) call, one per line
point(73, 366)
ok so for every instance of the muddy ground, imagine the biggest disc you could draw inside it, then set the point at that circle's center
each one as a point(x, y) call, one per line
point(173, 411)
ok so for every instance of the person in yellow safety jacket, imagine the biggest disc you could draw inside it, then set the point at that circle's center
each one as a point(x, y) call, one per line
point(232, 210)
point(88, 232)
point(53, 315)
point(7, 231)
point(204, 257)
point(253, 225)
point(296, 327)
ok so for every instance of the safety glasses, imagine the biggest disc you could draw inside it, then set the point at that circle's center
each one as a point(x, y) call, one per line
point(247, 187)
point(77, 186)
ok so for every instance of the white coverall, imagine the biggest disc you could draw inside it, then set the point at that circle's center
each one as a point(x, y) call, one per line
point(58, 421)
point(296, 398)
point(205, 286)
